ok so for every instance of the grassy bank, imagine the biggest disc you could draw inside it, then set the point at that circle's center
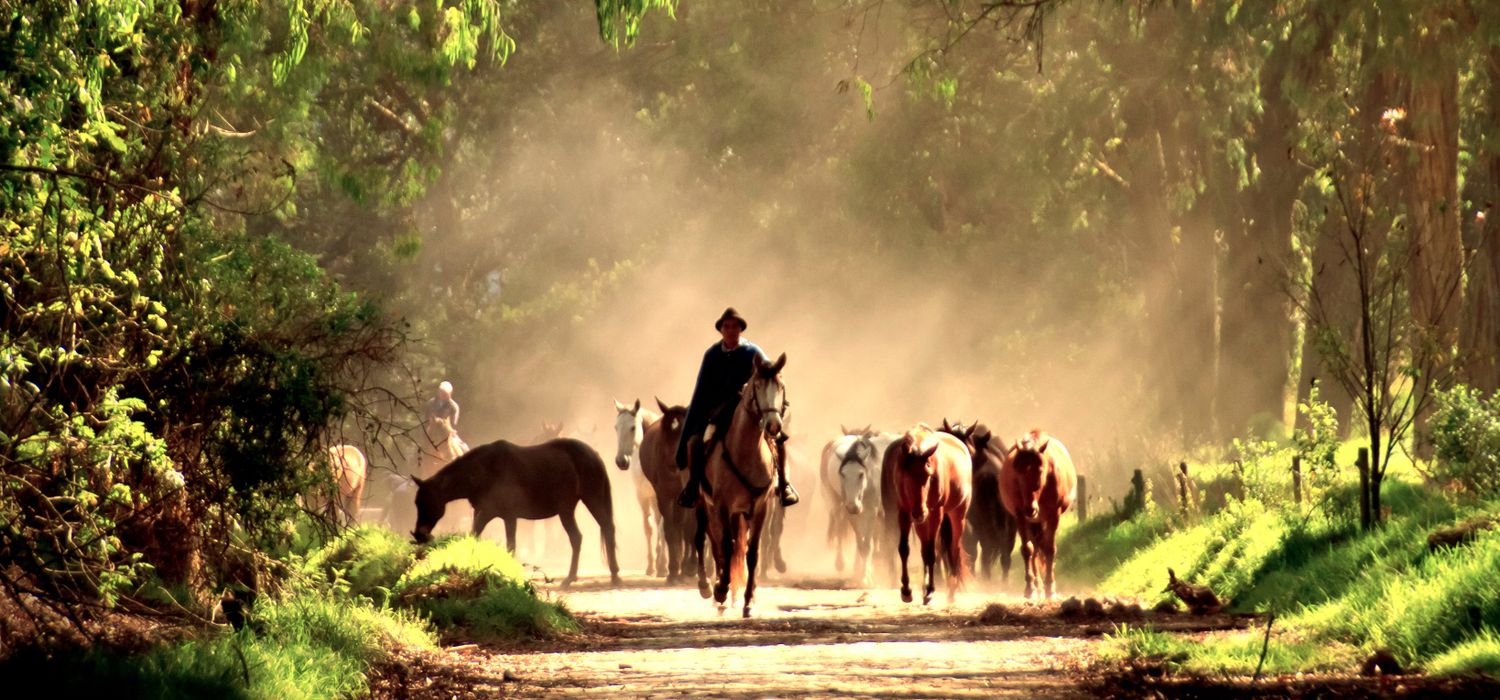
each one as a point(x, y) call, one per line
point(1339, 593)
point(358, 601)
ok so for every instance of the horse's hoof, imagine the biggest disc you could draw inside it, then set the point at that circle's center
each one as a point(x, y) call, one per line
point(568, 582)
point(721, 609)
point(927, 599)
point(905, 596)
point(747, 612)
point(703, 590)
point(614, 580)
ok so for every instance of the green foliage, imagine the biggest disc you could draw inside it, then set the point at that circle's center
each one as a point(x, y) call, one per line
point(1330, 583)
point(1466, 434)
point(477, 586)
point(367, 560)
point(307, 646)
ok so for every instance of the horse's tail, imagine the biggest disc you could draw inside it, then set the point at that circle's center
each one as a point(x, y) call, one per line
point(955, 557)
point(738, 569)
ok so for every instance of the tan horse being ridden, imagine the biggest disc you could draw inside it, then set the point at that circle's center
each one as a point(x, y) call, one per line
point(440, 446)
point(741, 472)
point(348, 466)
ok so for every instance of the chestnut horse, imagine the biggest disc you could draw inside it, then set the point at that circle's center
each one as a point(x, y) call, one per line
point(348, 467)
point(510, 482)
point(741, 475)
point(1037, 485)
point(991, 536)
point(659, 462)
point(927, 475)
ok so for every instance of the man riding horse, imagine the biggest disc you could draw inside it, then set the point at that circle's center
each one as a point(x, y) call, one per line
point(726, 367)
point(443, 405)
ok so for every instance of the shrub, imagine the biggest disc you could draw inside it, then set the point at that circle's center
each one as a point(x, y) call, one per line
point(1466, 433)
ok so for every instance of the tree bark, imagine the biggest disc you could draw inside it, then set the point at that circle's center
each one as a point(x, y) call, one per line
point(1480, 341)
point(1435, 265)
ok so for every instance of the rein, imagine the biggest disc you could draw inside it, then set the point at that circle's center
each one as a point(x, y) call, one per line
point(757, 412)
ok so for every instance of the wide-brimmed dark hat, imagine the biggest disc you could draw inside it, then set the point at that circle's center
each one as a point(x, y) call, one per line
point(730, 314)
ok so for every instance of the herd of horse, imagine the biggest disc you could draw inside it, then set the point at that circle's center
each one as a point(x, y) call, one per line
point(962, 491)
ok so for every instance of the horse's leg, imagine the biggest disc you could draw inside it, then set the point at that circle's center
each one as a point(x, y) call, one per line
point(972, 548)
point(651, 528)
point(1049, 551)
point(904, 548)
point(929, 564)
point(752, 555)
point(510, 535)
point(726, 555)
point(575, 538)
point(700, 533)
point(481, 519)
point(1008, 532)
point(1028, 557)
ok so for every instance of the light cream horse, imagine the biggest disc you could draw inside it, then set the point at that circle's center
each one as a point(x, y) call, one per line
point(349, 467)
point(631, 423)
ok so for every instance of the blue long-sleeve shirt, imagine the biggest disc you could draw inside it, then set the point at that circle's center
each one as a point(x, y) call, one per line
point(720, 378)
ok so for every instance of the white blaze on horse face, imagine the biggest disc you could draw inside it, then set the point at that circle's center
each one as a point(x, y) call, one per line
point(852, 477)
point(768, 400)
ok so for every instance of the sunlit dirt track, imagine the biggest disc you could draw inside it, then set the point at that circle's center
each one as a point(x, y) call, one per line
point(807, 637)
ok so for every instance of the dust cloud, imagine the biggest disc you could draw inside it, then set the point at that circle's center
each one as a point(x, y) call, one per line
point(618, 240)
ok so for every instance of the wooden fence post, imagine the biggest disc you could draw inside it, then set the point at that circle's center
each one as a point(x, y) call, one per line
point(1083, 499)
point(1297, 479)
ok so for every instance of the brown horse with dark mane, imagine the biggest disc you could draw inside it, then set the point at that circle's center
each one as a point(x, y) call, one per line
point(1038, 484)
point(926, 478)
point(659, 463)
point(506, 481)
point(741, 476)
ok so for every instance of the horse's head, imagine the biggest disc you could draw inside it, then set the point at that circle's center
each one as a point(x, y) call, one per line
point(672, 418)
point(1030, 460)
point(767, 395)
point(430, 507)
point(854, 453)
point(628, 432)
point(917, 470)
point(985, 445)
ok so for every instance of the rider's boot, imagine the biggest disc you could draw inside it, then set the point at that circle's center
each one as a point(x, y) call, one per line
point(789, 495)
point(697, 455)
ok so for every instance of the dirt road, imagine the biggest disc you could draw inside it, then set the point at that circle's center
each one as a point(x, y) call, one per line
point(807, 637)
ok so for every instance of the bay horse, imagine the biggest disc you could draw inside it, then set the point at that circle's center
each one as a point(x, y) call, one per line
point(741, 476)
point(992, 532)
point(1037, 485)
point(631, 424)
point(927, 473)
point(659, 463)
point(510, 482)
point(348, 467)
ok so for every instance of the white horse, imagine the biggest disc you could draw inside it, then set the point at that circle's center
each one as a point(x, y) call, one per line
point(630, 427)
point(851, 470)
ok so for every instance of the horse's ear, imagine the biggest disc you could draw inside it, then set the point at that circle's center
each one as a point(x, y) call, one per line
point(780, 362)
point(619, 407)
point(929, 452)
point(865, 431)
point(661, 405)
point(637, 408)
point(756, 362)
point(417, 480)
point(1042, 448)
point(844, 430)
point(946, 427)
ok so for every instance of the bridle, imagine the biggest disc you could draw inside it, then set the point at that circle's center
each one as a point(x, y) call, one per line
point(758, 413)
point(852, 454)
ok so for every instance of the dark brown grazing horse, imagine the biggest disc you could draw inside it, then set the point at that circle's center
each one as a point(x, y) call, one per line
point(741, 476)
point(927, 472)
point(992, 531)
point(502, 480)
point(1037, 485)
point(659, 463)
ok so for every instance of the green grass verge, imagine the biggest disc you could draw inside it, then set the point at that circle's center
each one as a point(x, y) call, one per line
point(307, 646)
point(1339, 591)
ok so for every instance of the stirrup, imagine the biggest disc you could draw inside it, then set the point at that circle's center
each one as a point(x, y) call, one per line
point(789, 495)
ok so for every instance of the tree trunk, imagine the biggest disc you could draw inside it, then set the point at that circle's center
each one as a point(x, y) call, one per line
point(1435, 265)
point(1481, 332)
point(1257, 322)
